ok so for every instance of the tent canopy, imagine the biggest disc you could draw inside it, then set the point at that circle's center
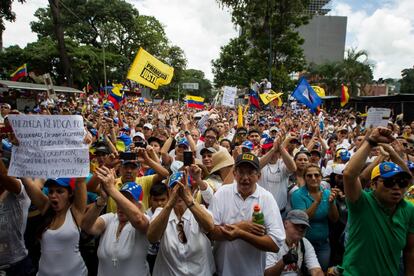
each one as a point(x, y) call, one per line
point(35, 86)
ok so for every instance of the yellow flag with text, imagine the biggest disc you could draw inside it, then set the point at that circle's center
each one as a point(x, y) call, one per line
point(240, 118)
point(270, 97)
point(149, 71)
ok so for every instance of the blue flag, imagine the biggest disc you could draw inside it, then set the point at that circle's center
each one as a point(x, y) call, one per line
point(305, 94)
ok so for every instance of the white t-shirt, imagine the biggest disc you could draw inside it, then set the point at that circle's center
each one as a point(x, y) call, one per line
point(228, 207)
point(275, 179)
point(311, 260)
point(13, 213)
point(124, 256)
point(176, 258)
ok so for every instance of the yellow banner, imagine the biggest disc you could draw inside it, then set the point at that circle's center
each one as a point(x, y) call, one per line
point(149, 71)
point(240, 118)
point(269, 97)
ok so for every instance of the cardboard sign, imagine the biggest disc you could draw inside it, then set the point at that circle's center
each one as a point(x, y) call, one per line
point(49, 147)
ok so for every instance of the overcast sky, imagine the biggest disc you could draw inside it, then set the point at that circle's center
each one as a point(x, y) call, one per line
point(385, 28)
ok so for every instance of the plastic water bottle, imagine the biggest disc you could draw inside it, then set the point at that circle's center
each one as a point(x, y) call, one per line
point(257, 216)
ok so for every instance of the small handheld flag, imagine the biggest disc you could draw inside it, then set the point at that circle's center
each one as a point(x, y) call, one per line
point(195, 102)
point(19, 73)
point(344, 95)
point(149, 71)
point(254, 98)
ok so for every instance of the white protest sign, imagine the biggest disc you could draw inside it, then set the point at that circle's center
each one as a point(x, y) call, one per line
point(49, 146)
point(229, 96)
point(378, 117)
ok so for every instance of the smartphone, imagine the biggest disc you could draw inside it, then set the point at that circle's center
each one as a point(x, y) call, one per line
point(128, 156)
point(140, 144)
point(188, 158)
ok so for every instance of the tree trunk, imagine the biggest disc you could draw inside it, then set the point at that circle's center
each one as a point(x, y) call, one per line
point(65, 63)
point(1, 34)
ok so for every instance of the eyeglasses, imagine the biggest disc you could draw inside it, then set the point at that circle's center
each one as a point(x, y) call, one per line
point(181, 234)
point(242, 133)
point(311, 175)
point(391, 182)
point(248, 173)
point(210, 137)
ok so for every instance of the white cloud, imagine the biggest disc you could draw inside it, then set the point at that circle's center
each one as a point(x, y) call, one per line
point(198, 27)
point(19, 32)
point(387, 34)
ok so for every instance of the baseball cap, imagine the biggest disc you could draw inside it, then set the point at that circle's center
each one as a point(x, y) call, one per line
point(298, 217)
point(343, 128)
point(248, 145)
point(6, 105)
point(344, 154)
point(102, 149)
point(267, 143)
point(140, 135)
point(388, 170)
point(410, 165)
point(274, 129)
point(133, 189)
point(248, 158)
point(183, 142)
point(307, 135)
point(210, 149)
point(338, 169)
point(63, 182)
point(148, 125)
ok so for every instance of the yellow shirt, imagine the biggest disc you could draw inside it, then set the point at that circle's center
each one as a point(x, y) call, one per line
point(145, 182)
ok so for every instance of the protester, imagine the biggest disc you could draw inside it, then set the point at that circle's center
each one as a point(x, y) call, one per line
point(320, 206)
point(297, 256)
point(62, 214)
point(241, 244)
point(181, 227)
point(123, 244)
point(370, 214)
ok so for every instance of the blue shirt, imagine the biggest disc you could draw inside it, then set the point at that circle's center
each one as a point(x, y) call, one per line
point(301, 199)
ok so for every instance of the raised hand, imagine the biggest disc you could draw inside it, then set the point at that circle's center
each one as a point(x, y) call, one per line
point(381, 135)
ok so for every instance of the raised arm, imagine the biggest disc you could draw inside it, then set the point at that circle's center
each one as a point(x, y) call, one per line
point(161, 172)
point(352, 184)
point(91, 222)
point(79, 199)
point(135, 216)
point(9, 183)
point(158, 225)
point(408, 255)
point(38, 198)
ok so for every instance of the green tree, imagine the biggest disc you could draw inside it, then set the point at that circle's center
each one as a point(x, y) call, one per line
point(407, 81)
point(270, 27)
point(356, 70)
point(7, 14)
point(197, 76)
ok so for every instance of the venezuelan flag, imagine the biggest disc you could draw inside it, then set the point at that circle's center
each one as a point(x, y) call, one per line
point(116, 96)
point(19, 73)
point(344, 95)
point(195, 102)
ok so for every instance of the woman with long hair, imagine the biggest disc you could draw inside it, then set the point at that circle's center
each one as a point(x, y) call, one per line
point(62, 212)
point(320, 206)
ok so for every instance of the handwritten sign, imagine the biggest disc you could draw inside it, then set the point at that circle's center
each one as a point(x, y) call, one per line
point(378, 117)
point(229, 96)
point(49, 147)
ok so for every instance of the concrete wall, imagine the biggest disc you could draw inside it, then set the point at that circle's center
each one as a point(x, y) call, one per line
point(324, 39)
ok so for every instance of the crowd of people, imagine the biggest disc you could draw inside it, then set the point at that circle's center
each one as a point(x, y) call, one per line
point(176, 191)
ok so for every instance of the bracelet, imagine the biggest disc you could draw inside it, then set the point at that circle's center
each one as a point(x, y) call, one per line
point(371, 142)
point(190, 205)
point(97, 205)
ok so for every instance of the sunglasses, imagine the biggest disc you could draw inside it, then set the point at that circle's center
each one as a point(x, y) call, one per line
point(391, 182)
point(316, 175)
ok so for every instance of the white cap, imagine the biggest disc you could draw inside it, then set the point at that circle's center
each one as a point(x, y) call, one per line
point(148, 125)
point(338, 168)
point(140, 135)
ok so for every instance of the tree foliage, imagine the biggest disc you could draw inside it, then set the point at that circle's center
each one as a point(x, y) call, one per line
point(354, 71)
point(91, 28)
point(270, 31)
point(407, 81)
point(6, 13)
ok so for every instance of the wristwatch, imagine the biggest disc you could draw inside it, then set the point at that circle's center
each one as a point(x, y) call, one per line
point(97, 205)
